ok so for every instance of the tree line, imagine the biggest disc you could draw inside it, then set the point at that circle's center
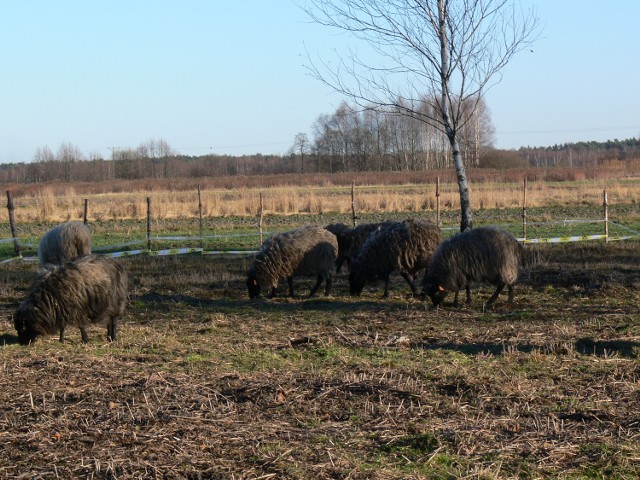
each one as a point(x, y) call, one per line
point(348, 140)
point(581, 154)
point(386, 139)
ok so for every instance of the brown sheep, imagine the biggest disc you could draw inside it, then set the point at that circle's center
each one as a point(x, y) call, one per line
point(309, 250)
point(85, 291)
point(405, 247)
point(64, 242)
point(482, 255)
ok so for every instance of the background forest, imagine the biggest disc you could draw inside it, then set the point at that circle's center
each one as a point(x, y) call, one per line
point(349, 140)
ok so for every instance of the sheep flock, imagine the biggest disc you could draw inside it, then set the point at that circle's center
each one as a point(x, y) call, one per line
point(74, 287)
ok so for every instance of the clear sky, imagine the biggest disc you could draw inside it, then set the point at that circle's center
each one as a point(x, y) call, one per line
point(228, 77)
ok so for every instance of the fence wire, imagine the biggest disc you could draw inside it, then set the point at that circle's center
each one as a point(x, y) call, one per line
point(121, 251)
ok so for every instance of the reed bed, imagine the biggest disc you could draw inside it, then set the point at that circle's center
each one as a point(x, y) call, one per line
point(49, 204)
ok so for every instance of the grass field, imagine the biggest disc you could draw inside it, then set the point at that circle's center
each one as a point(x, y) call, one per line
point(241, 232)
point(412, 192)
point(203, 383)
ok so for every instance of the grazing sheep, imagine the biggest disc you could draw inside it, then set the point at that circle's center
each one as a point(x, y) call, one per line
point(342, 233)
point(350, 240)
point(87, 290)
point(309, 250)
point(338, 228)
point(64, 242)
point(405, 247)
point(482, 255)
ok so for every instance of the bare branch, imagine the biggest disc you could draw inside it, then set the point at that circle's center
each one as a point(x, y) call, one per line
point(444, 53)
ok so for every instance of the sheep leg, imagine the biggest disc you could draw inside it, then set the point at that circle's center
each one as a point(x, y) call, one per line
point(316, 286)
point(410, 280)
point(493, 298)
point(385, 294)
point(111, 329)
point(290, 282)
point(468, 290)
point(327, 286)
point(455, 298)
point(61, 334)
point(510, 288)
point(85, 337)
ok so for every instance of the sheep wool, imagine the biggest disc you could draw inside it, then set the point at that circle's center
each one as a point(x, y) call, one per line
point(306, 251)
point(405, 247)
point(64, 242)
point(87, 290)
point(481, 255)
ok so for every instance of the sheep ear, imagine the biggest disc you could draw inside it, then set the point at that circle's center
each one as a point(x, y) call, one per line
point(254, 282)
point(441, 288)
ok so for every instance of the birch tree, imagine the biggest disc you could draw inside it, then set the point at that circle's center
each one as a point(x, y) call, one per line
point(443, 53)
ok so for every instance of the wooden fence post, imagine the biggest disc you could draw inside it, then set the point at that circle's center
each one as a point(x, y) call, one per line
point(12, 224)
point(438, 202)
point(200, 217)
point(354, 218)
point(260, 217)
point(149, 223)
point(606, 216)
point(524, 209)
point(86, 209)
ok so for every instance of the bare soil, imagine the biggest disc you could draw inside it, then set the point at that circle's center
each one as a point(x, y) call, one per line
point(203, 383)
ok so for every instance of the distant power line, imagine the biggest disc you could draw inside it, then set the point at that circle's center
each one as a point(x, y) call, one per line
point(251, 145)
point(109, 151)
point(572, 130)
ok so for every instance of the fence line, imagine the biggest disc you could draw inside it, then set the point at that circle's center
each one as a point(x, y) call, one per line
point(150, 239)
point(201, 251)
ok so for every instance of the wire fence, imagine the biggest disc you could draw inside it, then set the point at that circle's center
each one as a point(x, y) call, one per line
point(530, 231)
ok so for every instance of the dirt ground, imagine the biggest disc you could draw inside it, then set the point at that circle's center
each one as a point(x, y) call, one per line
point(204, 384)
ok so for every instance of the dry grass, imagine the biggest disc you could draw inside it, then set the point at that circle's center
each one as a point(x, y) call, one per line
point(47, 204)
point(203, 383)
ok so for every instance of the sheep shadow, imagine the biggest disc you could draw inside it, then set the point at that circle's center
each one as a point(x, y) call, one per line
point(323, 304)
point(8, 339)
point(276, 304)
point(160, 299)
point(584, 346)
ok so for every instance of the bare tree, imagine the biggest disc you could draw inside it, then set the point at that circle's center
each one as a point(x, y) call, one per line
point(43, 154)
point(477, 135)
point(68, 155)
point(445, 53)
point(300, 147)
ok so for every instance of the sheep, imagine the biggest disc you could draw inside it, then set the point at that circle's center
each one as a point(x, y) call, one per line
point(482, 255)
point(342, 233)
point(87, 290)
point(350, 240)
point(64, 242)
point(403, 246)
point(308, 250)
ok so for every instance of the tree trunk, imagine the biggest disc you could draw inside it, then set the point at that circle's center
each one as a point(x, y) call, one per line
point(466, 217)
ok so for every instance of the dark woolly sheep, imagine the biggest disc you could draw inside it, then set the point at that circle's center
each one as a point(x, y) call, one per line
point(305, 251)
point(85, 291)
point(64, 242)
point(482, 255)
point(342, 233)
point(338, 228)
point(405, 247)
point(350, 240)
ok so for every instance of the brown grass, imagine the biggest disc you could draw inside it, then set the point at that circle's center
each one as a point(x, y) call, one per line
point(203, 383)
point(54, 204)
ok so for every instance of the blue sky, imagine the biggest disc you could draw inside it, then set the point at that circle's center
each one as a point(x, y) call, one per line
point(222, 76)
